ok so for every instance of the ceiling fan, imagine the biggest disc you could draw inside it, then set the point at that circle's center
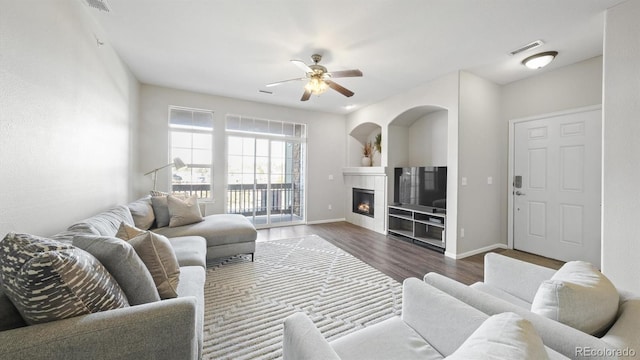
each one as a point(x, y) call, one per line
point(319, 79)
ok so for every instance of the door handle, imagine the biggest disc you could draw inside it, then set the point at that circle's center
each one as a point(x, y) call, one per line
point(519, 193)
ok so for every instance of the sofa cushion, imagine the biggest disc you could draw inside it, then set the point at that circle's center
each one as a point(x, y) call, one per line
point(157, 255)
point(183, 211)
point(501, 294)
point(124, 264)
point(389, 339)
point(504, 336)
point(580, 296)
point(220, 229)
point(142, 213)
point(105, 223)
point(47, 280)
point(190, 250)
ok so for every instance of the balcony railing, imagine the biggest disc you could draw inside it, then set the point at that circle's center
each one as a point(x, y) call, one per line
point(247, 199)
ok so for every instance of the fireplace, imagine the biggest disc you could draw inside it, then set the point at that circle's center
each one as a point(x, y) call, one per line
point(363, 202)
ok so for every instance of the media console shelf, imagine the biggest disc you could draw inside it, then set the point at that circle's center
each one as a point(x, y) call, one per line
point(418, 224)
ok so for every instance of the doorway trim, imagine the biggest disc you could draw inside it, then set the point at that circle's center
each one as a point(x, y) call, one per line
point(510, 164)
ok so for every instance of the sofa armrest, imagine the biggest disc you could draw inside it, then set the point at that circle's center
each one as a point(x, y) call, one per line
point(159, 330)
point(440, 319)
point(516, 277)
point(625, 332)
point(564, 339)
point(302, 340)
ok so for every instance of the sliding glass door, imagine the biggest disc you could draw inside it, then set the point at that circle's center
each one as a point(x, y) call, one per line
point(265, 176)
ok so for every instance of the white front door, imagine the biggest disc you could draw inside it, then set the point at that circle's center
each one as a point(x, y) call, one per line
point(556, 186)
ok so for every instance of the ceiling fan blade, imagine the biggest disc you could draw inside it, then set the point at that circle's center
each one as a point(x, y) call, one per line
point(339, 88)
point(345, 73)
point(284, 81)
point(306, 95)
point(304, 67)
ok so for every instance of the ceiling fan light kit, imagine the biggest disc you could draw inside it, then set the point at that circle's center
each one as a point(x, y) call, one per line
point(319, 78)
point(540, 60)
point(316, 85)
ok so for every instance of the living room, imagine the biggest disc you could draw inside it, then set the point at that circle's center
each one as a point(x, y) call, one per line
point(80, 131)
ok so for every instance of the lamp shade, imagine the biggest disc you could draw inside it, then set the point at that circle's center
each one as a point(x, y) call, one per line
point(178, 163)
point(540, 60)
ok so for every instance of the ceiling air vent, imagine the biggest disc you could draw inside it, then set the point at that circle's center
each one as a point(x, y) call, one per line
point(530, 46)
point(101, 5)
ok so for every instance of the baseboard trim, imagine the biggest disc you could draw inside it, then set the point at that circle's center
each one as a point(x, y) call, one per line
point(476, 251)
point(325, 221)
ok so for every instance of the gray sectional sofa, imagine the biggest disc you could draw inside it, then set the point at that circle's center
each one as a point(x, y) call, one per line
point(168, 329)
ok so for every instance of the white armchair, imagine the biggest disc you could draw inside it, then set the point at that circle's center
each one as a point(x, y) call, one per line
point(511, 285)
point(433, 325)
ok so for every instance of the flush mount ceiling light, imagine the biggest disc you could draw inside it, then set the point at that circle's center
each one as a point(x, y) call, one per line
point(540, 60)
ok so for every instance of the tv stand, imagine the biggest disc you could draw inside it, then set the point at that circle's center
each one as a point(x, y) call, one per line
point(421, 225)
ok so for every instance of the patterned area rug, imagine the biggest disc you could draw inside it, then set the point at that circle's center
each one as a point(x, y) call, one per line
point(247, 302)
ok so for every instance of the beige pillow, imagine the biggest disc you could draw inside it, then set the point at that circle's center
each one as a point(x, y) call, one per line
point(160, 207)
point(580, 296)
point(504, 336)
point(183, 212)
point(158, 256)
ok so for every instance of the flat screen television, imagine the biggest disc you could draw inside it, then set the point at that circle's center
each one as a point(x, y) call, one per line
point(424, 186)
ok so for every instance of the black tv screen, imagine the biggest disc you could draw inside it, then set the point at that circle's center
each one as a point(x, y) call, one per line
point(423, 186)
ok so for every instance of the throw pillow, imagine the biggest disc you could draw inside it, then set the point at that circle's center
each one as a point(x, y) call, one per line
point(142, 213)
point(47, 280)
point(158, 256)
point(124, 264)
point(161, 207)
point(183, 212)
point(580, 296)
point(503, 336)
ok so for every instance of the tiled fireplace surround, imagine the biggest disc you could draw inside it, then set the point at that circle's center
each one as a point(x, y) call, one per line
point(369, 178)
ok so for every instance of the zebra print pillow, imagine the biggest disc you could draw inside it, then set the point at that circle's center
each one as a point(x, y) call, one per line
point(48, 280)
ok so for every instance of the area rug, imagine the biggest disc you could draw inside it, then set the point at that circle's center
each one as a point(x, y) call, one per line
point(246, 302)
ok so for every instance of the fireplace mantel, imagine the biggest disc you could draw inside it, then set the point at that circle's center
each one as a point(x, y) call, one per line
point(365, 170)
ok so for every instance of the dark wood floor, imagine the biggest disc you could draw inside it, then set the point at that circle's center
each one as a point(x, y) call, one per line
point(398, 258)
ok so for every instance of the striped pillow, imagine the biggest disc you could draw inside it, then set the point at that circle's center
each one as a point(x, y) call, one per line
point(47, 280)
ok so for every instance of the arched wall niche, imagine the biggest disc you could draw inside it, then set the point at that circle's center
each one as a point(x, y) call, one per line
point(358, 137)
point(418, 137)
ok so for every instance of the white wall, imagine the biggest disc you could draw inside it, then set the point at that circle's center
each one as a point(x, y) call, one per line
point(67, 117)
point(325, 145)
point(621, 148)
point(428, 140)
point(482, 149)
point(569, 87)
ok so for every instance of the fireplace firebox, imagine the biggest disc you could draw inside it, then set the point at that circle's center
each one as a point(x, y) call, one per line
point(363, 202)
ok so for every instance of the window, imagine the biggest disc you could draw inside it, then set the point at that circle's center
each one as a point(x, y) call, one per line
point(265, 170)
point(191, 140)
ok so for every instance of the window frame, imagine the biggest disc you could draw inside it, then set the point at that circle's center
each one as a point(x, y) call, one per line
point(177, 128)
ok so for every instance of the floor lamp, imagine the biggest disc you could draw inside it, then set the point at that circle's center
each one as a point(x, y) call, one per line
point(177, 162)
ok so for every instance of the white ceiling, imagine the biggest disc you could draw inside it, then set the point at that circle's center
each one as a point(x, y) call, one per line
point(234, 47)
